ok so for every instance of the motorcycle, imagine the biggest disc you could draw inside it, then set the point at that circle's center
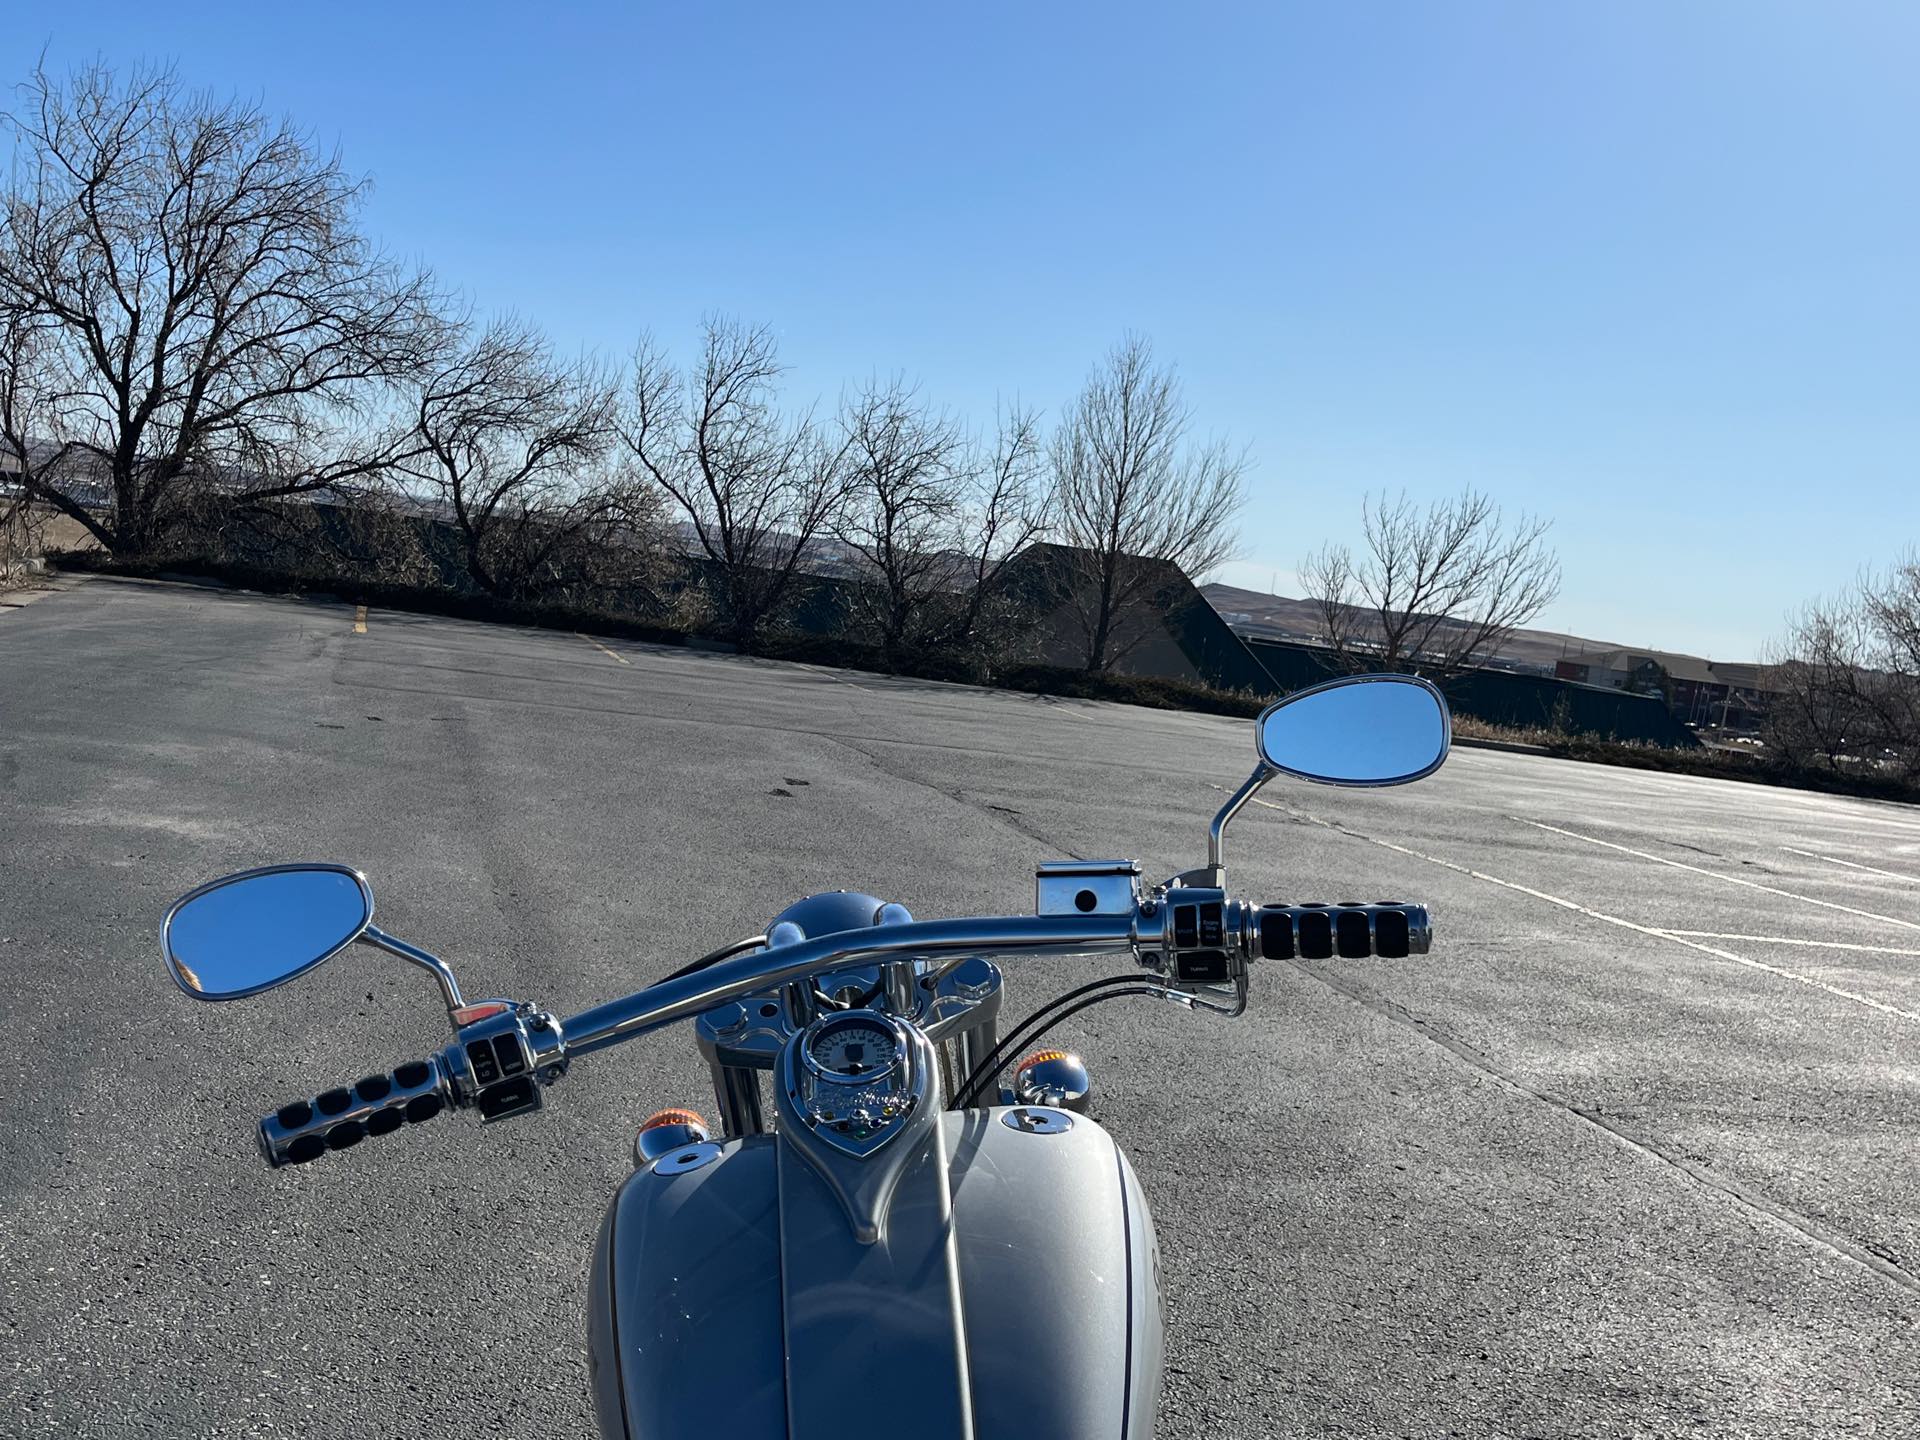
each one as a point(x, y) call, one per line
point(893, 1212)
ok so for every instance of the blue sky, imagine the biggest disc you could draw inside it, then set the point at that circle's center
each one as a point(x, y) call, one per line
point(1650, 268)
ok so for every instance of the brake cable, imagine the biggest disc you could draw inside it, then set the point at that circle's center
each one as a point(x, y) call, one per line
point(725, 952)
point(1114, 987)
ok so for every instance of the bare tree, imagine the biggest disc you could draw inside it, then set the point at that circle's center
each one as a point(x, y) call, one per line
point(1847, 676)
point(19, 525)
point(1010, 507)
point(520, 447)
point(1433, 591)
point(1134, 497)
point(1892, 605)
point(207, 318)
point(757, 486)
point(1818, 706)
point(906, 474)
point(934, 514)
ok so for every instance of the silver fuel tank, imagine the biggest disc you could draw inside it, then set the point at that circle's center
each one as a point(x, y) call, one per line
point(1014, 1295)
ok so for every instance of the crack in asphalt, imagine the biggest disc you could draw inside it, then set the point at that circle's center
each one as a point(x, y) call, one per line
point(1874, 1258)
point(1870, 1256)
point(1012, 819)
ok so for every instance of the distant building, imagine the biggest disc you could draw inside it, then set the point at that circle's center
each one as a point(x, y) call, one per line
point(1170, 632)
point(1697, 691)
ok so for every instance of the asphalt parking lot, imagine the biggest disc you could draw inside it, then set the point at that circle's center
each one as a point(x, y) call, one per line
point(1632, 1152)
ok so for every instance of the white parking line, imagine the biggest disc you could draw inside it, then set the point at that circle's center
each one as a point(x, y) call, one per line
point(1852, 864)
point(1717, 875)
point(1790, 940)
point(1834, 990)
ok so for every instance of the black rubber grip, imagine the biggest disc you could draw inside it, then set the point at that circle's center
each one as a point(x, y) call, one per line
point(1351, 930)
point(341, 1118)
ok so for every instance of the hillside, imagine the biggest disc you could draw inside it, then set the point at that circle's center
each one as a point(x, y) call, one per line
point(1280, 617)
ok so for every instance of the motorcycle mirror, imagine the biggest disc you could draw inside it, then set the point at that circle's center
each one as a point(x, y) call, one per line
point(249, 932)
point(1360, 730)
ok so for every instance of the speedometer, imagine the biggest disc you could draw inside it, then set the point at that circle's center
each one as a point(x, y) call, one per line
point(858, 1048)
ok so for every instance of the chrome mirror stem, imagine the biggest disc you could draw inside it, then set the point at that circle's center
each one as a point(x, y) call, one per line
point(1214, 873)
point(433, 964)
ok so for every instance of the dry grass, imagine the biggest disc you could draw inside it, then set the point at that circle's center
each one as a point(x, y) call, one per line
point(20, 541)
point(1466, 727)
point(27, 533)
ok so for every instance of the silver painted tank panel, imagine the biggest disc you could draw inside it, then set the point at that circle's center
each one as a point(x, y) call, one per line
point(1037, 1250)
point(1059, 1281)
point(694, 1328)
point(873, 1330)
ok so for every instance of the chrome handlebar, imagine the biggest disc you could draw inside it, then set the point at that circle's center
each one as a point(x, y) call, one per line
point(689, 995)
point(501, 1060)
point(1196, 938)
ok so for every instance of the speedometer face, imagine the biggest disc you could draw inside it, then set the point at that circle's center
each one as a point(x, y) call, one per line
point(854, 1050)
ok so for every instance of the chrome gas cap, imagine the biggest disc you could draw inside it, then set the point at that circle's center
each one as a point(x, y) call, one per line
point(693, 1157)
point(1033, 1120)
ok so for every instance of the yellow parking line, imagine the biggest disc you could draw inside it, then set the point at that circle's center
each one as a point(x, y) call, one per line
point(359, 619)
point(603, 649)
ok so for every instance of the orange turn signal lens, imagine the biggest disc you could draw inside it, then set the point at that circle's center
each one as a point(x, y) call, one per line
point(673, 1117)
point(485, 1010)
point(1040, 1057)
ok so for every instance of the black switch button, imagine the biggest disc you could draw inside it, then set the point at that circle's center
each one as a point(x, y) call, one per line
point(1203, 967)
point(1210, 924)
point(1186, 926)
point(480, 1057)
point(508, 1098)
point(506, 1049)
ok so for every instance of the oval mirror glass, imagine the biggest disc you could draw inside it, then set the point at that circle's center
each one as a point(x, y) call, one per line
point(246, 933)
point(1364, 730)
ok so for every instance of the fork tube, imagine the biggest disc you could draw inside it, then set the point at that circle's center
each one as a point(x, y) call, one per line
point(974, 1044)
point(736, 1093)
